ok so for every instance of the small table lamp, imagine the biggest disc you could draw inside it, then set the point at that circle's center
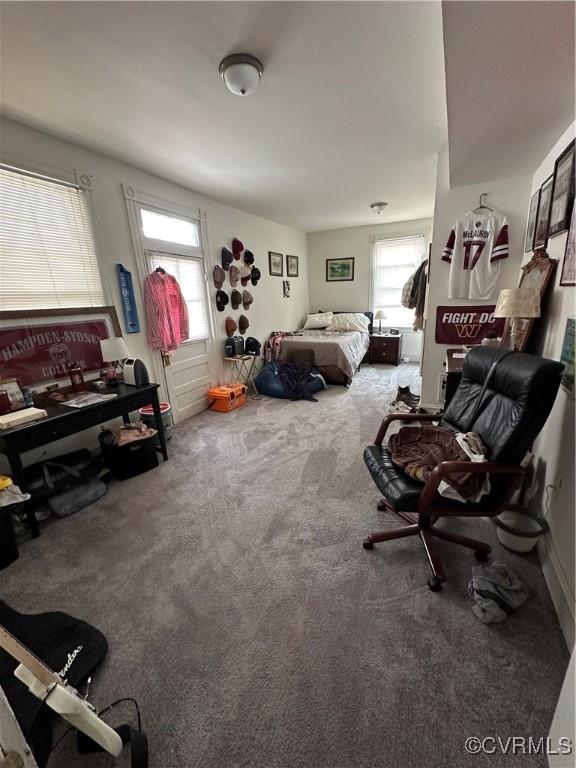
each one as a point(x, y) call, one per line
point(113, 350)
point(380, 315)
point(516, 304)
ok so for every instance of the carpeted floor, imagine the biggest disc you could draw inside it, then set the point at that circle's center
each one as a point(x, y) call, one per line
point(254, 630)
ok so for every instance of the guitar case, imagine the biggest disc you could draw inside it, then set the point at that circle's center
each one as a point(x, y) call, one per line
point(62, 643)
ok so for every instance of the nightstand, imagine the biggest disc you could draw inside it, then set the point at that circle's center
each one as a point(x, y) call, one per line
point(385, 348)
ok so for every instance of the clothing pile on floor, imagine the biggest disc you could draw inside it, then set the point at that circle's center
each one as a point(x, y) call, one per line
point(418, 450)
point(496, 592)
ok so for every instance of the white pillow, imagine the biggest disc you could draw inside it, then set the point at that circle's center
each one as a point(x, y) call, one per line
point(349, 321)
point(318, 320)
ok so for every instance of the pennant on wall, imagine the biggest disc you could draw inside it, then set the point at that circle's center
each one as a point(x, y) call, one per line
point(128, 301)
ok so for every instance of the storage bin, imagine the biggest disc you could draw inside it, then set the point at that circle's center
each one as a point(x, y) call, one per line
point(129, 460)
point(147, 416)
point(227, 397)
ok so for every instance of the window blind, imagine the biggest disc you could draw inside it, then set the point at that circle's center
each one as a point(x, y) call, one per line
point(189, 272)
point(47, 250)
point(393, 262)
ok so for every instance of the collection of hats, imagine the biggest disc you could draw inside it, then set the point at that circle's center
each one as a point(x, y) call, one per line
point(244, 273)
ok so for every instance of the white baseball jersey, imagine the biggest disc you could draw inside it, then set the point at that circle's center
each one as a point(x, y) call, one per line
point(475, 249)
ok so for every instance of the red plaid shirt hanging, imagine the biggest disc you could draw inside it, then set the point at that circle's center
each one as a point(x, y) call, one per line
point(166, 311)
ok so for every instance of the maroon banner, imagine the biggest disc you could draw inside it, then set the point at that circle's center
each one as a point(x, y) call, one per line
point(466, 325)
point(36, 353)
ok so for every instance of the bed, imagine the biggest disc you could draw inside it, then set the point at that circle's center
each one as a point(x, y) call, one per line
point(335, 351)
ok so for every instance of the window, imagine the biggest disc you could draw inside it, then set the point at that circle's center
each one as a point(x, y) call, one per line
point(169, 229)
point(190, 275)
point(393, 262)
point(47, 248)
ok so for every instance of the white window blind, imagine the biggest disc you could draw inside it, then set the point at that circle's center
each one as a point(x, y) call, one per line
point(47, 250)
point(393, 262)
point(190, 275)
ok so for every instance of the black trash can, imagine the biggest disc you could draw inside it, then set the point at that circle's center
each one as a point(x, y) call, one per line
point(128, 460)
point(8, 544)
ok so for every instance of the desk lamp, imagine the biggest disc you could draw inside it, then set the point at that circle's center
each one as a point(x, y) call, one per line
point(113, 351)
point(380, 315)
point(516, 304)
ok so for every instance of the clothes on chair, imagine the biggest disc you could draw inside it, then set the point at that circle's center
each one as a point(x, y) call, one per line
point(496, 592)
point(418, 450)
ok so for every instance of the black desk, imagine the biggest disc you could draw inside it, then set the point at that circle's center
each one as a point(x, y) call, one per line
point(63, 421)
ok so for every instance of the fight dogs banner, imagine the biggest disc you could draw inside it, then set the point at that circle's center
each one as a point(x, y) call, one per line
point(36, 353)
point(466, 325)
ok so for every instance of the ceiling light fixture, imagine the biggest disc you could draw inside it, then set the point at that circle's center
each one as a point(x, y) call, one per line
point(241, 72)
point(378, 207)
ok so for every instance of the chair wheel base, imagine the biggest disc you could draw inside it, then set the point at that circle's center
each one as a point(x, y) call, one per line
point(434, 584)
point(481, 556)
point(368, 544)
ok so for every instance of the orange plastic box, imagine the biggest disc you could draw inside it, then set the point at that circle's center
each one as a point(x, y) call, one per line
point(227, 397)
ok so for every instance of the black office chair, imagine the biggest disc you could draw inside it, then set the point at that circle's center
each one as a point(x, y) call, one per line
point(505, 397)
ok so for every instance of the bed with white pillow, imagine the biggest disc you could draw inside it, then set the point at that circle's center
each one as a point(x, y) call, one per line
point(339, 339)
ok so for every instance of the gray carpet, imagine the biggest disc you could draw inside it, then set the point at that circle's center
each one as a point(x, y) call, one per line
point(254, 630)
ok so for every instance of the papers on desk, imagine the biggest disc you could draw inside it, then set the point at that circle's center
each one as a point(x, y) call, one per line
point(88, 398)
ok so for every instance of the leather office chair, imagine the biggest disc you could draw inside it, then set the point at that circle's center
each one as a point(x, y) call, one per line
point(505, 397)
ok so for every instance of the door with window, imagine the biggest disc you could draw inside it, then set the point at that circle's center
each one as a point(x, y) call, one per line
point(173, 244)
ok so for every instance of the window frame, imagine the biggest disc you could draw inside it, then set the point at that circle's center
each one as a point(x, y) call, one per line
point(81, 179)
point(374, 240)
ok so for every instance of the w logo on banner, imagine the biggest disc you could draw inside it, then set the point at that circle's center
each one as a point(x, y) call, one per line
point(468, 330)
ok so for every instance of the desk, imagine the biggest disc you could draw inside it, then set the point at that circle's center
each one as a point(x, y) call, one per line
point(63, 421)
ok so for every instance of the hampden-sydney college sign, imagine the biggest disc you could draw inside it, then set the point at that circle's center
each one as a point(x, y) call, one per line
point(466, 325)
point(33, 353)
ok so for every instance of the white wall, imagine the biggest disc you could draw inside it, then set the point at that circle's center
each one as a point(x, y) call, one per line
point(270, 311)
point(506, 195)
point(355, 295)
point(554, 448)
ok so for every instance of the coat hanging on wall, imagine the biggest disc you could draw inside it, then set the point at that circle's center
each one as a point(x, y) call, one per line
point(166, 311)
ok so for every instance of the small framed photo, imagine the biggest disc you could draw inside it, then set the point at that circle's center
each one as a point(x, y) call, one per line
point(531, 225)
point(286, 288)
point(563, 194)
point(338, 270)
point(568, 276)
point(291, 266)
point(276, 263)
point(543, 217)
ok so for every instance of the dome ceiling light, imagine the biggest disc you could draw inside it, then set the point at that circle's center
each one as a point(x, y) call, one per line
point(378, 207)
point(241, 72)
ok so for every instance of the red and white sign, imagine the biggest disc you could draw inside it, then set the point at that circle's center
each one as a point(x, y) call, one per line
point(466, 325)
point(36, 353)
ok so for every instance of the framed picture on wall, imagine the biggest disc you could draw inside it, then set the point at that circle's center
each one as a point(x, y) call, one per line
point(291, 266)
point(286, 288)
point(567, 357)
point(563, 194)
point(37, 346)
point(531, 224)
point(275, 263)
point(568, 276)
point(543, 216)
point(338, 270)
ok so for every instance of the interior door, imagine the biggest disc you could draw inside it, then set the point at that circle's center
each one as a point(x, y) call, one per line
point(187, 371)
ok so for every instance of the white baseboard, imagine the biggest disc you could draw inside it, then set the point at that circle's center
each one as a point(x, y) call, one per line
point(558, 587)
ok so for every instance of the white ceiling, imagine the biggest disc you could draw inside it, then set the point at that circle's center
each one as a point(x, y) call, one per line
point(509, 83)
point(351, 107)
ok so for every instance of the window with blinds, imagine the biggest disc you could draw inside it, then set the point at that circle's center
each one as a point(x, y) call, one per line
point(189, 272)
point(393, 262)
point(47, 250)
